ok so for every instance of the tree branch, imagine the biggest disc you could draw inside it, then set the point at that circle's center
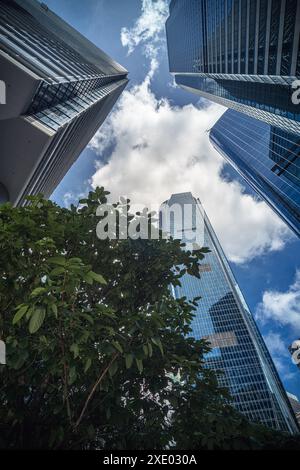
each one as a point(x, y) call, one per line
point(98, 381)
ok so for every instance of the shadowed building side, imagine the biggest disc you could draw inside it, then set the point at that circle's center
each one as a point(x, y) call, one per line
point(59, 89)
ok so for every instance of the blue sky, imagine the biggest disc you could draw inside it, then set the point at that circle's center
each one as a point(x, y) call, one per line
point(168, 126)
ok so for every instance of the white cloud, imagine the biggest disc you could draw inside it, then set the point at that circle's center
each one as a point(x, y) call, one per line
point(72, 197)
point(148, 31)
point(281, 307)
point(147, 28)
point(162, 149)
point(283, 368)
point(275, 344)
point(280, 354)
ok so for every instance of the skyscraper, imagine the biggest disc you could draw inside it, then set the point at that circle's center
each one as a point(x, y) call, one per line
point(243, 54)
point(267, 157)
point(222, 316)
point(59, 89)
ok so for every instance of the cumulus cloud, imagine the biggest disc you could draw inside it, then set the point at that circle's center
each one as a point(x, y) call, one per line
point(280, 354)
point(160, 149)
point(281, 307)
point(147, 28)
point(73, 196)
point(275, 344)
point(282, 365)
point(148, 31)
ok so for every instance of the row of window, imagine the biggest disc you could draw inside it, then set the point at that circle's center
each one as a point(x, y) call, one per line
point(61, 114)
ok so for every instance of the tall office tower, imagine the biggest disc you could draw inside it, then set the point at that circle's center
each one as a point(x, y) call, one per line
point(267, 157)
point(59, 89)
point(243, 54)
point(222, 316)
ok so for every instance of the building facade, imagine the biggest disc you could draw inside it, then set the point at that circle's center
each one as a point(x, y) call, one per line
point(223, 318)
point(243, 54)
point(59, 89)
point(267, 157)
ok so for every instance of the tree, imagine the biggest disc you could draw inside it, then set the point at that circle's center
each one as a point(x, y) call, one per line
point(97, 349)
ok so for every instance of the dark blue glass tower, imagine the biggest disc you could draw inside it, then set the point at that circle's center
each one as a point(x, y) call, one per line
point(222, 316)
point(243, 54)
point(267, 157)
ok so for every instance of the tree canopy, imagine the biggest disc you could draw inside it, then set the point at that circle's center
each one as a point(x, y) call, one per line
point(99, 352)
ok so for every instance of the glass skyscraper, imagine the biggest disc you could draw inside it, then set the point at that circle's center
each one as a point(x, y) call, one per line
point(222, 316)
point(267, 157)
point(243, 54)
point(59, 89)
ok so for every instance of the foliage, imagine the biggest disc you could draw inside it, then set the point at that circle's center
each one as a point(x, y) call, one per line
point(97, 348)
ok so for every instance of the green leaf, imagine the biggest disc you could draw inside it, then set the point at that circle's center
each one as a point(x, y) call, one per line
point(150, 349)
point(117, 345)
point(139, 364)
point(72, 375)
point(29, 313)
point(75, 261)
point(87, 364)
point(57, 271)
point(113, 369)
point(37, 319)
point(20, 313)
point(97, 277)
point(60, 260)
point(37, 291)
point(104, 385)
point(88, 279)
point(128, 360)
point(157, 343)
point(75, 350)
point(20, 305)
point(54, 309)
point(18, 362)
point(88, 317)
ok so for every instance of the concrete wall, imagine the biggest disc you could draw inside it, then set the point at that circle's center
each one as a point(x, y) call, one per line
point(21, 85)
point(21, 147)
